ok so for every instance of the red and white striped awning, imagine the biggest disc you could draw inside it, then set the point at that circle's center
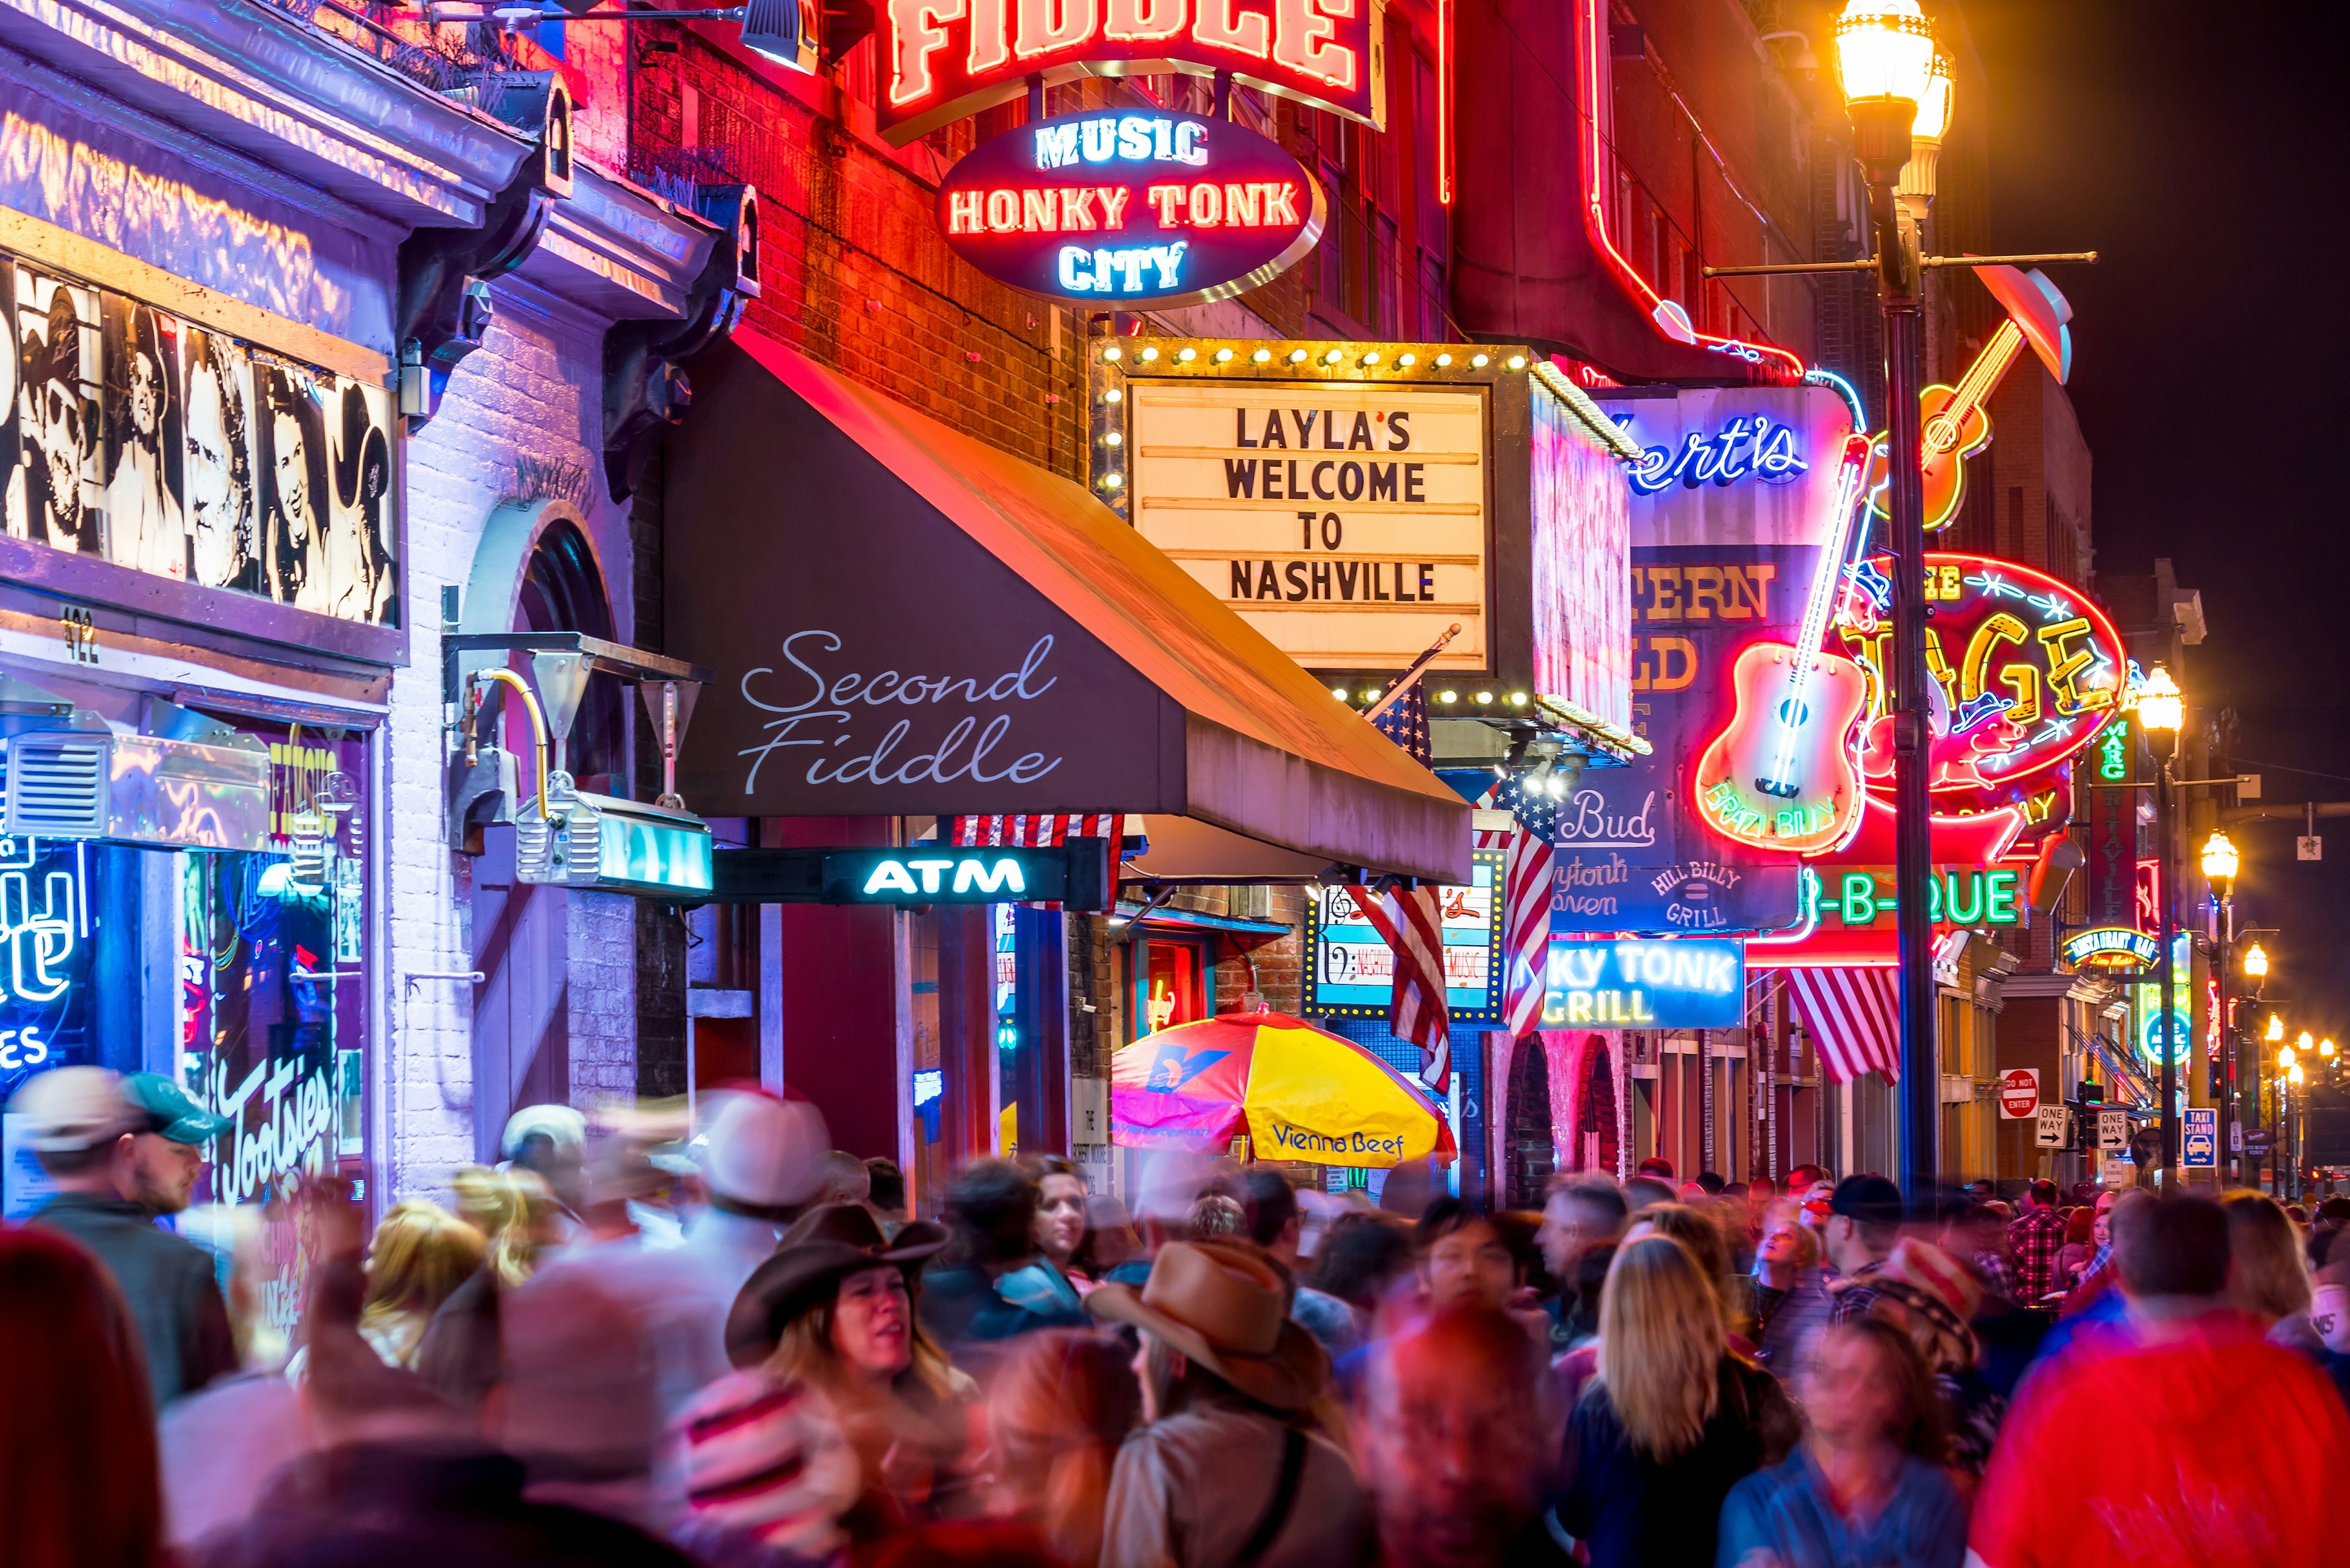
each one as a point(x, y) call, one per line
point(1855, 1018)
point(1035, 831)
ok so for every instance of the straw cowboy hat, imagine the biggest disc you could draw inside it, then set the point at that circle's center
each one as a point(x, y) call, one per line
point(1223, 1307)
point(824, 1247)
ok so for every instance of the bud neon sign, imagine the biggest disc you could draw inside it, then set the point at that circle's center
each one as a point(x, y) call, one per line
point(948, 58)
point(1139, 205)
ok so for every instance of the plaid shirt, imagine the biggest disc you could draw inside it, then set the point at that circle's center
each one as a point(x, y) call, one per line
point(2035, 1237)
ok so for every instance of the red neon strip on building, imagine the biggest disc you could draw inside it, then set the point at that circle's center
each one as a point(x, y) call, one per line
point(1594, 213)
point(1444, 101)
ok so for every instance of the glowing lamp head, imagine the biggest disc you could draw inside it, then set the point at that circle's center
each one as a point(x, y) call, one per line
point(2276, 1026)
point(2256, 964)
point(1934, 109)
point(1885, 50)
point(2294, 1075)
point(2285, 1054)
point(2161, 707)
point(2326, 1048)
point(2307, 1041)
point(2219, 858)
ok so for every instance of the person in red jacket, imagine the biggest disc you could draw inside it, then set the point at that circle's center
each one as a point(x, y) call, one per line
point(2214, 1449)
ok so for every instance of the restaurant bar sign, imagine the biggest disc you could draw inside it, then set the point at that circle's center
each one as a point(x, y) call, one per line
point(1353, 972)
point(1692, 983)
point(1138, 205)
point(944, 59)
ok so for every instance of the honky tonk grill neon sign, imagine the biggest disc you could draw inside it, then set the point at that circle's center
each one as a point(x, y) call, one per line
point(943, 59)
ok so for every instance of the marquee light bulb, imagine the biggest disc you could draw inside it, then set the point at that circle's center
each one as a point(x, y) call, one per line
point(1113, 439)
point(1517, 361)
point(1148, 355)
point(1334, 356)
point(1479, 362)
point(1444, 361)
point(1484, 696)
point(1113, 396)
point(1111, 482)
point(1517, 699)
point(1187, 355)
point(1372, 358)
point(1406, 360)
point(1297, 356)
point(1339, 693)
point(1223, 355)
point(1448, 696)
point(1371, 696)
point(1262, 357)
point(1113, 353)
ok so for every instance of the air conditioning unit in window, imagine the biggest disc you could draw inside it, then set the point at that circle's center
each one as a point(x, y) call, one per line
point(614, 846)
point(66, 774)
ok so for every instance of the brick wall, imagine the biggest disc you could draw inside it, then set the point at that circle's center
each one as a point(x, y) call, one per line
point(533, 390)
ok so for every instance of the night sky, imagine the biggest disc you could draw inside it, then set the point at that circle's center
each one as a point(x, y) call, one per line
point(2199, 149)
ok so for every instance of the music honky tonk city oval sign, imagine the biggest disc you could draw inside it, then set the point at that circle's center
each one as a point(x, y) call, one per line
point(1144, 206)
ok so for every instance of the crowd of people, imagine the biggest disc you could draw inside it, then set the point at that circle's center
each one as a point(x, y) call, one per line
point(642, 1342)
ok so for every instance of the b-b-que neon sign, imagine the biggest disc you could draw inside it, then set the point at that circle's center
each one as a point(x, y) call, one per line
point(1133, 205)
point(943, 59)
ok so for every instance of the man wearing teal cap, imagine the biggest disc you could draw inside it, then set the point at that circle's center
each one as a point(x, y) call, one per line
point(121, 1151)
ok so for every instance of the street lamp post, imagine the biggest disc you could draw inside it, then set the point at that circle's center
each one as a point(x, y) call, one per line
point(2221, 862)
point(2293, 1079)
point(1885, 54)
point(2161, 708)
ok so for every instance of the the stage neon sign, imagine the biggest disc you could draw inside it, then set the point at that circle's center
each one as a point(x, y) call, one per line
point(943, 59)
point(1139, 205)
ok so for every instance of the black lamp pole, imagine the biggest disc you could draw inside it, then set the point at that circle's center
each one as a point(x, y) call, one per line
point(2166, 830)
point(1881, 133)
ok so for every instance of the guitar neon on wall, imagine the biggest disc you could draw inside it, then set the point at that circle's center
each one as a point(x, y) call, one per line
point(1783, 773)
point(1953, 424)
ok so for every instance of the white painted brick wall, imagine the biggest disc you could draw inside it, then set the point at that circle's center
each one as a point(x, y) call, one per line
point(533, 390)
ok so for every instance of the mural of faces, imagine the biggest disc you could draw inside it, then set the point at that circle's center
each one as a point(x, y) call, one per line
point(55, 494)
point(179, 452)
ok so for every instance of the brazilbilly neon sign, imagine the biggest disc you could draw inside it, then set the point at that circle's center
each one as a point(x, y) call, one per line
point(1751, 446)
point(1142, 205)
point(943, 59)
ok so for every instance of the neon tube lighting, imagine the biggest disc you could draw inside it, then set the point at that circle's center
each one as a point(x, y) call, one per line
point(1595, 214)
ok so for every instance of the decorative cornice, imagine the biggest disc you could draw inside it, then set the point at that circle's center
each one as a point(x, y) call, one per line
point(294, 98)
point(617, 251)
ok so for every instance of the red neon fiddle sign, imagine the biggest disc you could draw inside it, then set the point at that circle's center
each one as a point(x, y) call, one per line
point(944, 59)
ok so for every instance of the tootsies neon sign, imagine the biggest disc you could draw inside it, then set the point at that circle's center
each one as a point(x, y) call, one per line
point(1141, 205)
point(943, 59)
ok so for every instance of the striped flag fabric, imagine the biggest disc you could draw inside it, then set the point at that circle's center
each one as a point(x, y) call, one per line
point(1034, 832)
point(1855, 1017)
point(1412, 926)
point(1526, 876)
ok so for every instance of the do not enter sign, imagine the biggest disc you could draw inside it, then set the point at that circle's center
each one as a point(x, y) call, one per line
point(2019, 1092)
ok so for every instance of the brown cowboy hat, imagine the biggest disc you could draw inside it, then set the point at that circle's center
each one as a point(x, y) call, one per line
point(1222, 1305)
point(824, 1247)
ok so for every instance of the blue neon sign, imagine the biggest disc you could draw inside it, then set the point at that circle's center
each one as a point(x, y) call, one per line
point(1751, 446)
point(1685, 982)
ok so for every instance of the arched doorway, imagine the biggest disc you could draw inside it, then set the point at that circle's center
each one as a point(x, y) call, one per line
point(1528, 1156)
point(1594, 1109)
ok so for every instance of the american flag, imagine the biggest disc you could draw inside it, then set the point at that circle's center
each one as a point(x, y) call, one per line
point(1412, 923)
point(1526, 876)
point(1040, 832)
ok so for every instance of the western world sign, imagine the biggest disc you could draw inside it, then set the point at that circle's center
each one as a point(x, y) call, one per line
point(943, 59)
point(1138, 205)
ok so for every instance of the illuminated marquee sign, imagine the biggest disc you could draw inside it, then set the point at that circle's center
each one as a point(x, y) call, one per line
point(930, 875)
point(943, 59)
point(1690, 983)
point(1346, 521)
point(1353, 972)
point(1136, 205)
point(2111, 946)
point(1749, 446)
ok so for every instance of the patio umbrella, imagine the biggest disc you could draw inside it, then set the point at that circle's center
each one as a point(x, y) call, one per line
point(1299, 1091)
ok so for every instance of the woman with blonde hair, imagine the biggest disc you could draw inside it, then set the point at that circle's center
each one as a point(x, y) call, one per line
point(1674, 1419)
point(2266, 1276)
point(1062, 1402)
point(514, 1211)
point(418, 1257)
point(1699, 1229)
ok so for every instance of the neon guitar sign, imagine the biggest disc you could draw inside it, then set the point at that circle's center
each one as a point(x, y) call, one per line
point(1953, 424)
point(1784, 775)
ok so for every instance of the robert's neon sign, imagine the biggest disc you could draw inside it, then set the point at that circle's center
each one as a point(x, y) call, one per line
point(1751, 446)
point(1143, 205)
point(944, 59)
